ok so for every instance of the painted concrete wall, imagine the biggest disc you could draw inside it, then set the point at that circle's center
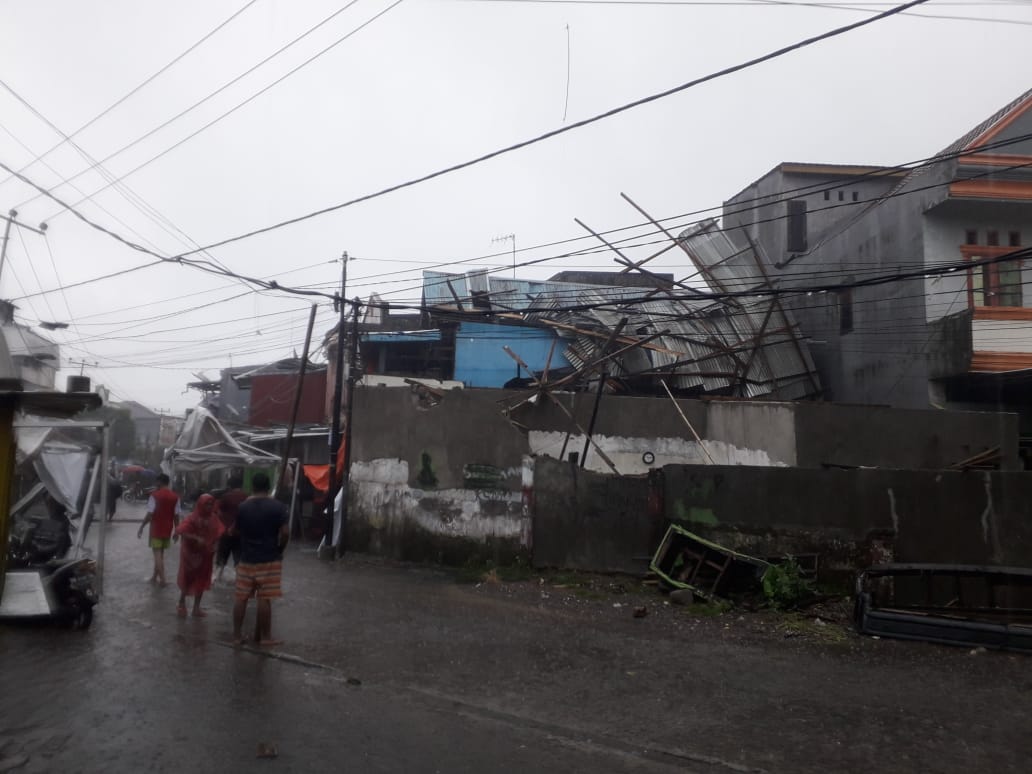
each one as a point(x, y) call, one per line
point(629, 455)
point(883, 359)
point(456, 480)
point(769, 427)
point(767, 224)
point(449, 526)
point(480, 360)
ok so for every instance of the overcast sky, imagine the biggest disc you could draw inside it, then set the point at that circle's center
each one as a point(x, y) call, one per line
point(427, 84)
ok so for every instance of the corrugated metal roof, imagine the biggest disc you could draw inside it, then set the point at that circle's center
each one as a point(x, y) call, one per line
point(706, 345)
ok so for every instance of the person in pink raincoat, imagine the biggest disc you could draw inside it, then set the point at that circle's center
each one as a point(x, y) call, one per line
point(200, 532)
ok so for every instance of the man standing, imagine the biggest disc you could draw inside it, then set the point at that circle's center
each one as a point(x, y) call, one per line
point(163, 516)
point(262, 525)
point(229, 543)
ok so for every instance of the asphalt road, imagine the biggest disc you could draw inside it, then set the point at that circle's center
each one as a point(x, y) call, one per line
point(402, 669)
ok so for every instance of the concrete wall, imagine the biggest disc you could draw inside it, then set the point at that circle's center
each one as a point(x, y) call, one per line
point(767, 224)
point(454, 479)
point(449, 526)
point(589, 521)
point(446, 483)
point(874, 436)
point(637, 456)
point(846, 516)
point(466, 427)
point(770, 427)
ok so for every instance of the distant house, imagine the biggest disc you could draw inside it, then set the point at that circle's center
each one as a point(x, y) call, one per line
point(961, 339)
point(147, 422)
point(273, 388)
point(35, 358)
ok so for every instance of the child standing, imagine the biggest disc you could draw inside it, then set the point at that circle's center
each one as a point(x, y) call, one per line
point(200, 532)
point(163, 517)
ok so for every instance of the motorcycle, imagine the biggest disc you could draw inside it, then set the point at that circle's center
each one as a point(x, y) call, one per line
point(41, 580)
point(137, 492)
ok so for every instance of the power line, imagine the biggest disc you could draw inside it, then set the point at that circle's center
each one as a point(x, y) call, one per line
point(755, 202)
point(133, 91)
point(227, 113)
point(861, 7)
point(576, 125)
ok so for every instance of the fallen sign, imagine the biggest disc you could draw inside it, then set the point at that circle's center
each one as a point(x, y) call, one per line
point(686, 561)
point(952, 604)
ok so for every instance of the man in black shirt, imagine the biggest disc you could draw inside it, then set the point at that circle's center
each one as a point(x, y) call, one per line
point(262, 526)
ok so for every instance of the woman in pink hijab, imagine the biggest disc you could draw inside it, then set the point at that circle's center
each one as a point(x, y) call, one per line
point(200, 533)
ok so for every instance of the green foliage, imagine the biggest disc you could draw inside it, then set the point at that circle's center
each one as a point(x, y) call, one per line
point(784, 585)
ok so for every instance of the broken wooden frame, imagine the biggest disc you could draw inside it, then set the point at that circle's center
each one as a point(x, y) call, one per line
point(685, 560)
point(953, 604)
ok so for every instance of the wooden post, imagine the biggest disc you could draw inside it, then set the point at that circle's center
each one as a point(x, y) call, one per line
point(297, 396)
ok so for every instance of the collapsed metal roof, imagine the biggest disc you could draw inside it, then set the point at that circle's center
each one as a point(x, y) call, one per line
point(735, 344)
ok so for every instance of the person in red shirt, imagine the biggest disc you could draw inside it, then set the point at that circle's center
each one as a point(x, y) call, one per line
point(200, 533)
point(163, 516)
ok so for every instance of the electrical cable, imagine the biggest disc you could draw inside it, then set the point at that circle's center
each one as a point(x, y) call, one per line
point(220, 117)
point(859, 7)
point(576, 125)
point(133, 91)
point(811, 187)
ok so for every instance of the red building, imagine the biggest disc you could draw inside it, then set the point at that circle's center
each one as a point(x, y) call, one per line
point(272, 399)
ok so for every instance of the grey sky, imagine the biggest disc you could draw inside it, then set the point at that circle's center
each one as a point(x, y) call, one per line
point(428, 84)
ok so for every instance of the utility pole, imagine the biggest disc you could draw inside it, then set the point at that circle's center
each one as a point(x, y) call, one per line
point(345, 479)
point(297, 396)
point(338, 388)
point(82, 365)
point(9, 219)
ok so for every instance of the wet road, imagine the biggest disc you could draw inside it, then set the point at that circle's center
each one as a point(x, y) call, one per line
point(398, 669)
point(143, 690)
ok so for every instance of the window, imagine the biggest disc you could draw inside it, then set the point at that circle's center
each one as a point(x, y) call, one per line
point(993, 284)
point(796, 242)
point(827, 196)
point(856, 196)
point(845, 311)
point(841, 195)
point(971, 237)
point(992, 238)
point(1014, 239)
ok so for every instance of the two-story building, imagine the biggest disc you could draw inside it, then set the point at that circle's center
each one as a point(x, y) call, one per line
point(943, 336)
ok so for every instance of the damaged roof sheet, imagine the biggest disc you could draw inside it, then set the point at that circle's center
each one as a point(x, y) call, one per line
point(747, 345)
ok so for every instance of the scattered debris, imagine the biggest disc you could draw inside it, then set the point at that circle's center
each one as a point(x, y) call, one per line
point(682, 597)
point(952, 604)
point(641, 612)
point(266, 750)
point(984, 460)
point(353, 681)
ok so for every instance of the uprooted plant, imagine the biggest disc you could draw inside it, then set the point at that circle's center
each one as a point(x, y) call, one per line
point(784, 586)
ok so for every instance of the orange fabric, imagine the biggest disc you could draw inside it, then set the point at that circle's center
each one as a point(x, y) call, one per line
point(340, 460)
point(319, 475)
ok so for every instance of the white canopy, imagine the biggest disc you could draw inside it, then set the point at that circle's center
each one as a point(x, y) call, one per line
point(205, 445)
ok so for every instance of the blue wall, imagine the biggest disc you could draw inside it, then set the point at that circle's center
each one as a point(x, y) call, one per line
point(480, 360)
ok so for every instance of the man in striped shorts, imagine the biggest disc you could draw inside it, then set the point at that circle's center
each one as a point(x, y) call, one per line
point(262, 525)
